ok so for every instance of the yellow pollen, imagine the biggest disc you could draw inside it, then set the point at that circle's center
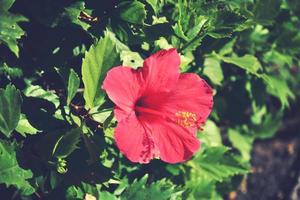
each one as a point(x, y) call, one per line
point(186, 119)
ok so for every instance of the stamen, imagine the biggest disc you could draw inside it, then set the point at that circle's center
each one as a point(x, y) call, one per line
point(186, 119)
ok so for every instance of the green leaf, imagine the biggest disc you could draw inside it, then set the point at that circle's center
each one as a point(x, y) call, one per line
point(10, 109)
point(97, 61)
point(132, 59)
point(242, 142)
point(202, 187)
point(279, 88)
point(67, 143)
point(154, 4)
point(132, 12)
point(211, 134)
point(104, 195)
point(213, 70)
point(228, 47)
point(84, 191)
point(24, 127)
point(247, 62)
point(39, 92)
point(160, 190)
point(216, 163)
point(10, 31)
point(10, 172)
point(73, 85)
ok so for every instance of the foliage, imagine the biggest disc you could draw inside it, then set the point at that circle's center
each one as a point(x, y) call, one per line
point(56, 123)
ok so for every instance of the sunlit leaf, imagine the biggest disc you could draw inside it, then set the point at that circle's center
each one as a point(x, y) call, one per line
point(247, 62)
point(10, 31)
point(97, 61)
point(132, 11)
point(242, 142)
point(213, 70)
point(24, 127)
point(216, 163)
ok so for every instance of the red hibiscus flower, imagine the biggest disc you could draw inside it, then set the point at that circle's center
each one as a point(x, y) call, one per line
point(158, 109)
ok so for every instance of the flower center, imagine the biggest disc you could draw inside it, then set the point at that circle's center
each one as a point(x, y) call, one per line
point(182, 118)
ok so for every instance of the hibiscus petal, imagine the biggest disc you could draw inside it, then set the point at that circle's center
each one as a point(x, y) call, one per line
point(161, 70)
point(123, 86)
point(134, 141)
point(192, 95)
point(175, 143)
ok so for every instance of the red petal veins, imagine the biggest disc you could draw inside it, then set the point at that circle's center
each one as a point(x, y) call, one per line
point(134, 141)
point(175, 143)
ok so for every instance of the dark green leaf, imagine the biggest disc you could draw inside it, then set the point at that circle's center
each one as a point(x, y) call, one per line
point(67, 143)
point(10, 172)
point(266, 10)
point(73, 13)
point(73, 85)
point(10, 109)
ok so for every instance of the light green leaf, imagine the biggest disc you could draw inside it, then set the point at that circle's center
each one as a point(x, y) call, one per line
point(104, 195)
point(154, 4)
point(10, 172)
point(160, 190)
point(243, 143)
point(97, 61)
point(11, 72)
point(201, 187)
point(247, 62)
point(10, 31)
point(216, 163)
point(67, 143)
point(101, 116)
point(279, 88)
point(213, 70)
point(228, 47)
point(10, 109)
point(132, 12)
point(24, 127)
point(73, 85)
point(131, 59)
point(211, 134)
point(39, 92)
